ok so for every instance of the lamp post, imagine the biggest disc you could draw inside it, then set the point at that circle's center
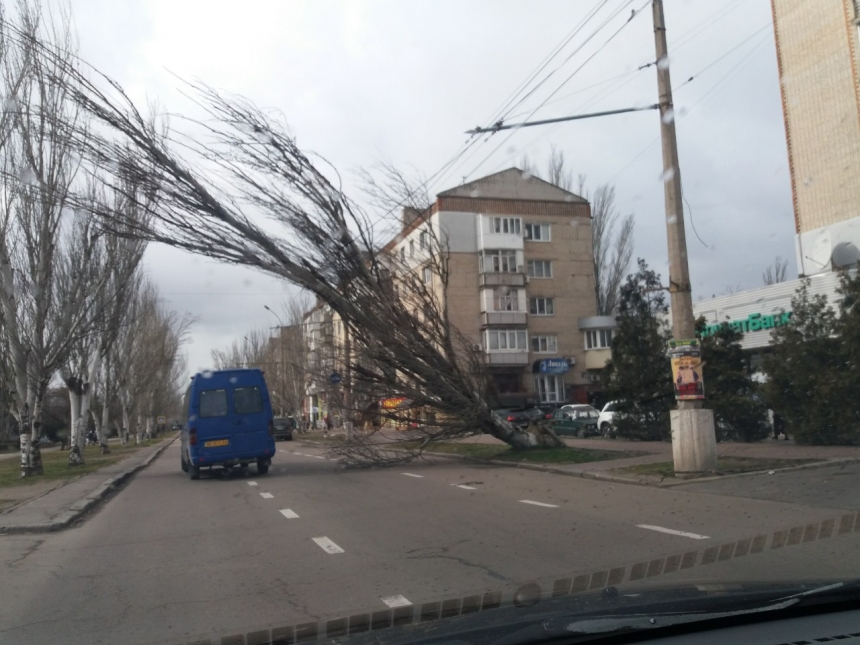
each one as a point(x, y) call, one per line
point(282, 366)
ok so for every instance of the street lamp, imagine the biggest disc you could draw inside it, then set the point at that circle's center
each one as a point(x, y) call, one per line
point(282, 366)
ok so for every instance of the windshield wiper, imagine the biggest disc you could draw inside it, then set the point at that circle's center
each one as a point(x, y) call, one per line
point(572, 626)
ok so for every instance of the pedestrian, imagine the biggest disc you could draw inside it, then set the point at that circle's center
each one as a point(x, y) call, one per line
point(328, 424)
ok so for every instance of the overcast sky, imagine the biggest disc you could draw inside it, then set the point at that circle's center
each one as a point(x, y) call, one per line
point(360, 79)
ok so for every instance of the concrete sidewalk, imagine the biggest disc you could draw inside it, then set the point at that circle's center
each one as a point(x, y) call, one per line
point(64, 504)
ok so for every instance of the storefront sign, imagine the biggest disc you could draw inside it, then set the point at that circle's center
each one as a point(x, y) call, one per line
point(554, 366)
point(392, 402)
point(686, 357)
point(753, 322)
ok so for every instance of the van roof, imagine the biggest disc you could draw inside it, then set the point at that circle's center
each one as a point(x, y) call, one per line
point(235, 370)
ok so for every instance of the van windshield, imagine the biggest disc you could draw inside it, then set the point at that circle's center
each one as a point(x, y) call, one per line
point(213, 403)
point(248, 400)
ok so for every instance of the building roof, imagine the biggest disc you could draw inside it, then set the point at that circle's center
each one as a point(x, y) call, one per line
point(513, 183)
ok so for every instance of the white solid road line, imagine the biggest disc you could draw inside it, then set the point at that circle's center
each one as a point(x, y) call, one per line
point(266, 495)
point(396, 601)
point(411, 475)
point(327, 545)
point(464, 486)
point(290, 515)
point(528, 501)
point(252, 483)
point(693, 536)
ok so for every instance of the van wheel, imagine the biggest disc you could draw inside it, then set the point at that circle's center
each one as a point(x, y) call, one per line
point(262, 466)
point(184, 463)
point(193, 471)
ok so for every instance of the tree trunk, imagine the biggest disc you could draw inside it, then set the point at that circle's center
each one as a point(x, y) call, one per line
point(29, 428)
point(533, 437)
point(76, 451)
point(104, 426)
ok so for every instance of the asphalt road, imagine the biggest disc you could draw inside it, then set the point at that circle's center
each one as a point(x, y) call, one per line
point(169, 560)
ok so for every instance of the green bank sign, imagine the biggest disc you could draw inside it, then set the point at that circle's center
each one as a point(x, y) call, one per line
point(753, 322)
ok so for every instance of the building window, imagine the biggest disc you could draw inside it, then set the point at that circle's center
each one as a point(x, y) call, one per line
point(402, 253)
point(506, 339)
point(504, 261)
point(428, 275)
point(541, 307)
point(540, 268)
point(510, 225)
point(537, 232)
point(422, 240)
point(544, 344)
point(598, 339)
point(411, 248)
point(549, 388)
point(505, 299)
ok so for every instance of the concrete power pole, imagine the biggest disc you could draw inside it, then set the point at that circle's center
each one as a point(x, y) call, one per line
point(693, 439)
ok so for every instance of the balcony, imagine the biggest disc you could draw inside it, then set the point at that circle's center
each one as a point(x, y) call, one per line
point(493, 279)
point(507, 358)
point(595, 359)
point(503, 318)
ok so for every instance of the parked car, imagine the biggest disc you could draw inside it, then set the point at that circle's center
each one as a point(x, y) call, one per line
point(605, 422)
point(541, 412)
point(284, 427)
point(518, 417)
point(229, 422)
point(575, 420)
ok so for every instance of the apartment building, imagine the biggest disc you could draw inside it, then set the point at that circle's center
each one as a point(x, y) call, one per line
point(817, 50)
point(521, 282)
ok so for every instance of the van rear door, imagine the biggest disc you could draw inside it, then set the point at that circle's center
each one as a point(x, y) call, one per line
point(250, 418)
point(214, 430)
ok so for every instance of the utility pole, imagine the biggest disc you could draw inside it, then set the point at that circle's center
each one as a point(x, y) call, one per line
point(693, 438)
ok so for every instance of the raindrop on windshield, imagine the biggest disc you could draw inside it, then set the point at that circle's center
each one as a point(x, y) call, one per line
point(667, 175)
point(574, 223)
point(192, 418)
point(663, 63)
point(206, 374)
point(672, 219)
point(475, 193)
point(234, 380)
point(527, 174)
point(28, 177)
point(807, 181)
point(669, 116)
point(510, 150)
point(247, 283)
point(10, 104)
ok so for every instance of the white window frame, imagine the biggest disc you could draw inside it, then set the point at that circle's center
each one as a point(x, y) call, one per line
point(541, 306)
point(422, 240)
point(598, 339)
point(506, 225)
point(549, 388)
point(403, 254)
point(549, 342)
point(544, 232)
point(427, 275)
point(500, 340)
point(499, 261)
point(546, 268)
point(506, 302)
point(411, 248)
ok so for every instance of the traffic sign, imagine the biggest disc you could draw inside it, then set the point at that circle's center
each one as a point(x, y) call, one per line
point(162, 420)
point(334, 378)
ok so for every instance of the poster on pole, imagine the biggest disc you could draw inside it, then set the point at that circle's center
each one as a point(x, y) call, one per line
point(686, 357)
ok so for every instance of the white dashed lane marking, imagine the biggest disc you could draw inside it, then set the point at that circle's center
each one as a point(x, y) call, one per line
point(290, 515)
point(266, 495)
point(252, 483)
point(528, 501)
point(464, 486)
point(411, 475)
point(396, 601)
point(327, 545)
point(692, 536)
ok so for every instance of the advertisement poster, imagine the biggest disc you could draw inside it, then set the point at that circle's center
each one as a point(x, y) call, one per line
point(686, 357)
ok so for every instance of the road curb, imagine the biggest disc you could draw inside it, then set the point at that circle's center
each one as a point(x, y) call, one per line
point(82, 506)
point(619, 479)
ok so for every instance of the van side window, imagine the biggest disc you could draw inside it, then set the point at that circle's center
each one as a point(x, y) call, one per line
point(213, 403)
point(247, 400)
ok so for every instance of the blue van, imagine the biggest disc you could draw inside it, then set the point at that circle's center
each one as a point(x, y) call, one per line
point(229, 422)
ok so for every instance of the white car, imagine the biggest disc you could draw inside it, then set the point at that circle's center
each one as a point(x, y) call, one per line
point(606, 419)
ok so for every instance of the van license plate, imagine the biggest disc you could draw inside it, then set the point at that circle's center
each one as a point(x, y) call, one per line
point(213, 444)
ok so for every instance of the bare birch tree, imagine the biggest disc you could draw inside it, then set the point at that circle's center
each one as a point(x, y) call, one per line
point(776, 272)
point(611, 234)
point(325, 245)
point(46, 246)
